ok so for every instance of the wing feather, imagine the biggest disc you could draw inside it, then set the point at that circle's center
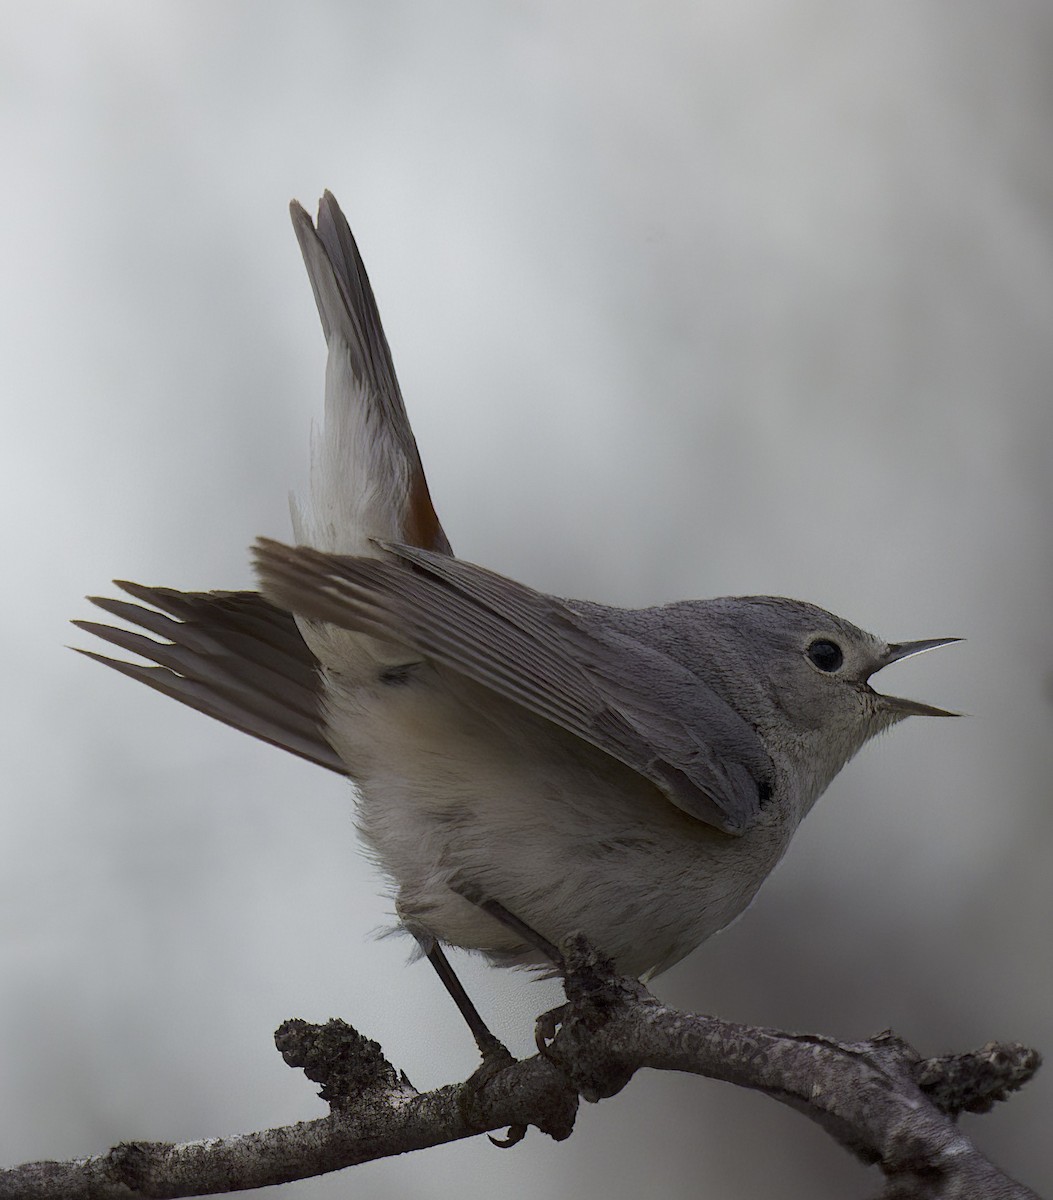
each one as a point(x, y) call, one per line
point(539, 652)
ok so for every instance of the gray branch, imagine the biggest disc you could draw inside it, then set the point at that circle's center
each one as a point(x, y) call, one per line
point(878, 1098)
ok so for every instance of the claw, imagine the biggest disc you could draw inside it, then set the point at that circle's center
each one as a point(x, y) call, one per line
point(545, 1029)
point(516, 1133)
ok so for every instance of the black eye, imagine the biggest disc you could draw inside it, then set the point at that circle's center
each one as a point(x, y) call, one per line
point(826, 655)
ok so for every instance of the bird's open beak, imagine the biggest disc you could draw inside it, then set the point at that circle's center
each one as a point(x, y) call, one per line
point(913, 708)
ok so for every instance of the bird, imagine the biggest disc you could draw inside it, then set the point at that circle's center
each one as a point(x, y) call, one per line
point(630, 774)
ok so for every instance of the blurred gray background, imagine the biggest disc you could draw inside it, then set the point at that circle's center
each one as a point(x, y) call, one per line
point(686, 299)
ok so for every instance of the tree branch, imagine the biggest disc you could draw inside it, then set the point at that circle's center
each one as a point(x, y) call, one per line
point(878, 1098)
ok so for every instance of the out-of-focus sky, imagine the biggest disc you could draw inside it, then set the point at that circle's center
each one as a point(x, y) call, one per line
point(686, 299)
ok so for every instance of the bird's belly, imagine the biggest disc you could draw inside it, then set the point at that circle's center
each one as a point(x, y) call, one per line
point(563, 836)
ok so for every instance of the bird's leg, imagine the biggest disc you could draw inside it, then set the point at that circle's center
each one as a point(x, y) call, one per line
point(589, 977)
point(494, 908)
point(496, 1055)
point(490, 1047)
point(528, 933)
point(548, 1022)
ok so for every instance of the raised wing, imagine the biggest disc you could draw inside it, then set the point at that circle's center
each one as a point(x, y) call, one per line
point(231, 655)
point(627, 699)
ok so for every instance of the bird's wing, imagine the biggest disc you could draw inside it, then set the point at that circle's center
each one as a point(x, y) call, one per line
point(607, 689)
point(231, 655)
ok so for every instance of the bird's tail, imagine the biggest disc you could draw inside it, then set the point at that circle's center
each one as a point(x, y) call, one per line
point(234, 655)
point(366, 475)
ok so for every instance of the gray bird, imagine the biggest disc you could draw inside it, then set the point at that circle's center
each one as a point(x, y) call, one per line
point(634, 774)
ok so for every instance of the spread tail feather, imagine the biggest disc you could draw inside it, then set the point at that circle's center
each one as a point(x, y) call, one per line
point(231, 655)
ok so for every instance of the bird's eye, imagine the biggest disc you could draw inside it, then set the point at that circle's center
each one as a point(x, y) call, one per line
point(826, 655)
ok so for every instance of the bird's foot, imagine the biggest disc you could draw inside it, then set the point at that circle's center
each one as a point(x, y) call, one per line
point(596, 994)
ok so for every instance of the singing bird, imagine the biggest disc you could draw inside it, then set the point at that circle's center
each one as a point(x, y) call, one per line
point(633, 774)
